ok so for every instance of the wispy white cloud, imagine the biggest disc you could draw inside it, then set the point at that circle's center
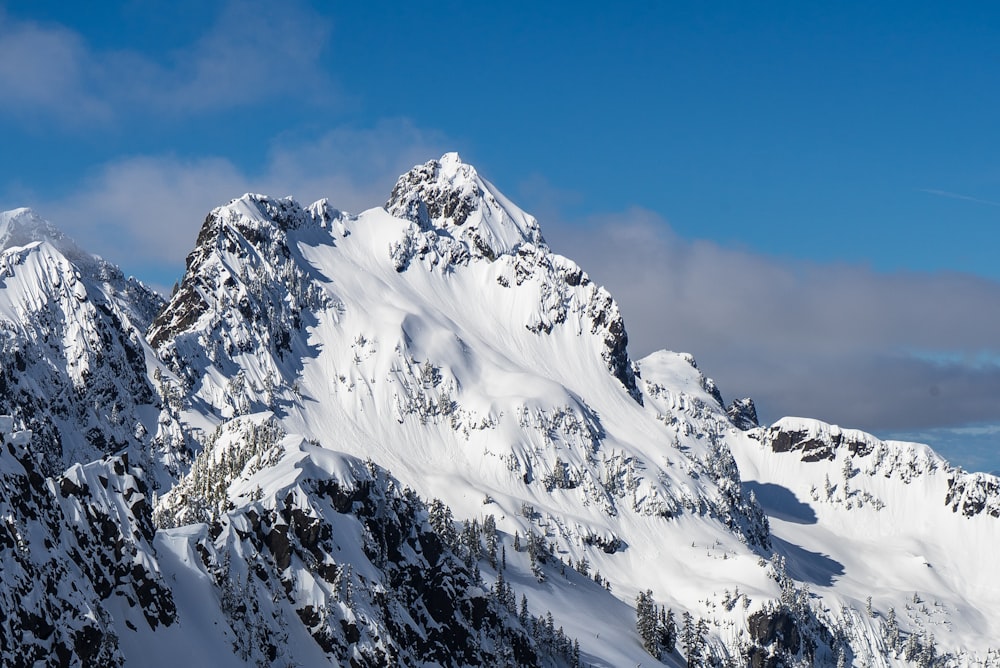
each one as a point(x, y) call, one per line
point(49, 69)
point(950, 195)
point(253, 52)
point(145, 212)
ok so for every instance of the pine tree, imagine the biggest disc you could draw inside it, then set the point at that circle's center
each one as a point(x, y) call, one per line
point(646, 623)
point(490, 535)
point(442, 522)
point(536, 555)
point(689, 642)
point(928, 654)
point(701, 638)
point(892, 630)
point(668, 630)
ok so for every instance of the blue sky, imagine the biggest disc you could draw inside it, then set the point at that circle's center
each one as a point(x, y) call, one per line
point(791, 192)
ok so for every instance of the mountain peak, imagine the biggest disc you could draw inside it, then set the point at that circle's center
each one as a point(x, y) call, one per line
point(449, 197)
point(23, 226)
point(20, 227)
point(452, 160)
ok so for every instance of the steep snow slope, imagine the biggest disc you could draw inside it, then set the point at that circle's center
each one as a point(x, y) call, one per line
point(72, 353)
point(893, 521)
point(324, 559)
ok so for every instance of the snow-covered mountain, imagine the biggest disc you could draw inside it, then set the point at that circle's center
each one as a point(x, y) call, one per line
point(414, 436)
point(72, 349)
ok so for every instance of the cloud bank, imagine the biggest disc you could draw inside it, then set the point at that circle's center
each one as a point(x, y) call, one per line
point(843, 343)
point(144, 212)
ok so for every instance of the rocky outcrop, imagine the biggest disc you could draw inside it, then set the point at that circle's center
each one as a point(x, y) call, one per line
point(69, 546)
point(409, 595)
point(743, 414)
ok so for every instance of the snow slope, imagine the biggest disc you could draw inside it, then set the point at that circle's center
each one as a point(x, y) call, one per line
point(888, 520)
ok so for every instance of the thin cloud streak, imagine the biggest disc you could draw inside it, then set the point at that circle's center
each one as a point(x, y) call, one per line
point(145, 212)
point(967, 198)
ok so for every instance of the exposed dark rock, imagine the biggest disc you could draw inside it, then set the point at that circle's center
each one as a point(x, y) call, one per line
point(743, 414)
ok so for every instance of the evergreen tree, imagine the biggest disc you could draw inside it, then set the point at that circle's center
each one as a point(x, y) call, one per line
point(701, 638)
point(646, 623)
point(928, 653)
point(442, 522)
point(668, 630)
point(892, 630)
point(490, 536)
point(583, 566)
point(689, 642)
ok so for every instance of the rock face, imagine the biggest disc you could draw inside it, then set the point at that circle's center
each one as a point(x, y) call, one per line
point(743, 413)
point(76, 552)
point(778, 629)
point(972, 494)
point(448, 197)
point(815, 441)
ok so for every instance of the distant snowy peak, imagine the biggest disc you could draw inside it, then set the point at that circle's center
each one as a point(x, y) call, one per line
point(20, 227)
point(72, 360)
point(23, 229)
point(449, 197)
